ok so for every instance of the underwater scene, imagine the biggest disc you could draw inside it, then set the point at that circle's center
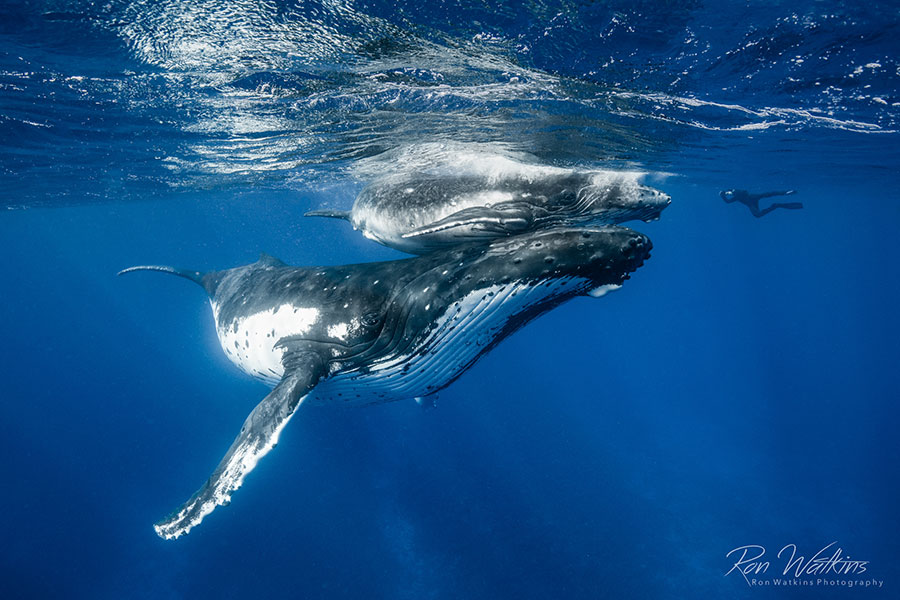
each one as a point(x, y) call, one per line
point(537, 299)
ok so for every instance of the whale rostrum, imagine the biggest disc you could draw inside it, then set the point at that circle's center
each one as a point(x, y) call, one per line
point(383, 331)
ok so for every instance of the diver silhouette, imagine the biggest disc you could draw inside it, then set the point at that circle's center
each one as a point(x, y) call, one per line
point(751, 201)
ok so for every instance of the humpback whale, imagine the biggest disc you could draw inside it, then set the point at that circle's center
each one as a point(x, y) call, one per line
point(377, 332)
point(424, 212)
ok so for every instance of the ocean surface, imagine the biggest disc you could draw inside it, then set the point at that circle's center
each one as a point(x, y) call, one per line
point(740, 390)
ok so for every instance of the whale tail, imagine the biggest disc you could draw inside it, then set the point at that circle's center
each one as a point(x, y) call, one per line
point(208, 281)
point(331, 214)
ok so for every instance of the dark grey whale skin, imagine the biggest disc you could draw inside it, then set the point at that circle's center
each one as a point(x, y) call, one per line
point(421, 213)
point(397, 308)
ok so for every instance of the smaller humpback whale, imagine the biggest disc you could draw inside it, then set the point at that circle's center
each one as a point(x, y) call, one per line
point(422, 213)
point(377, 332)
point(751, 201)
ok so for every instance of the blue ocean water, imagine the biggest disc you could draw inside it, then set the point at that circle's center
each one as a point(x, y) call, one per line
point(739, 390)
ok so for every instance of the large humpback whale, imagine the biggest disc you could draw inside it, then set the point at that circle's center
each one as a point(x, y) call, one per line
point(385, 331)
point(421, 213)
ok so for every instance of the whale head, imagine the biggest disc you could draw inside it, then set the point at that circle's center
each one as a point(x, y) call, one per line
point(590, 256)
point(549, 266)
point(611, 197)
point(438, 322)
point(646, 203)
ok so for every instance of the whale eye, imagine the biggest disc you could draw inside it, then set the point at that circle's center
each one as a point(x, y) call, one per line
point(371, 319)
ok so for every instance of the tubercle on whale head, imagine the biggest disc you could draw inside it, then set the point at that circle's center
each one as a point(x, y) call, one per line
point(618, 252)
point(623, 196)
point(599, 255)
point(654, 198)
point(651, 204)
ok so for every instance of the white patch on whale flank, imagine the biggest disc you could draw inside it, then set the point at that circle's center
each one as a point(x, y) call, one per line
point(249, 342)
point(338, 330)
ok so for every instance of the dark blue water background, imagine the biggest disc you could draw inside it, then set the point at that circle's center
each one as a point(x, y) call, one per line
point(740, 389)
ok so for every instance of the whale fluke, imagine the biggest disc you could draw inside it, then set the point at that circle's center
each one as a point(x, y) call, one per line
point(195, 276)
point(205, 280)
point(331, 214)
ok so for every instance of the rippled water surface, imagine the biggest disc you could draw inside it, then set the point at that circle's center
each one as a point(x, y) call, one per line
point(150, 96)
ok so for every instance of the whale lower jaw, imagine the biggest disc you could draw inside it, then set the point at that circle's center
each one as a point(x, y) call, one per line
point(468, 329)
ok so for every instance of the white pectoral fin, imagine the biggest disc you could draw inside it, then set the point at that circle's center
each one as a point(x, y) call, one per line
point(258, 435)
point(444, 224)
point(503, 218)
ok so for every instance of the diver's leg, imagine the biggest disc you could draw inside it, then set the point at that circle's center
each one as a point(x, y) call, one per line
point(770, 194)
point(753, 205)
point(761, 213)
point(768, 209)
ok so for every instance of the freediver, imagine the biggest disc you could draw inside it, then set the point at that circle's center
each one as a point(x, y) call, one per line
point(751, 201)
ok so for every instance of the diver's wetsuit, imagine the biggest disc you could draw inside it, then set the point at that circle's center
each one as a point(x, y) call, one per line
point(751, 201)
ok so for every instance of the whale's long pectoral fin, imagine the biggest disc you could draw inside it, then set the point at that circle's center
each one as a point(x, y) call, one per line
point(503, 218)
point(258, 435)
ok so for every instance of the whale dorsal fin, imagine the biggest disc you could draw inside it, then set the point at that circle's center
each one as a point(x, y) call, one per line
point(258, 435)
point(269, 260)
